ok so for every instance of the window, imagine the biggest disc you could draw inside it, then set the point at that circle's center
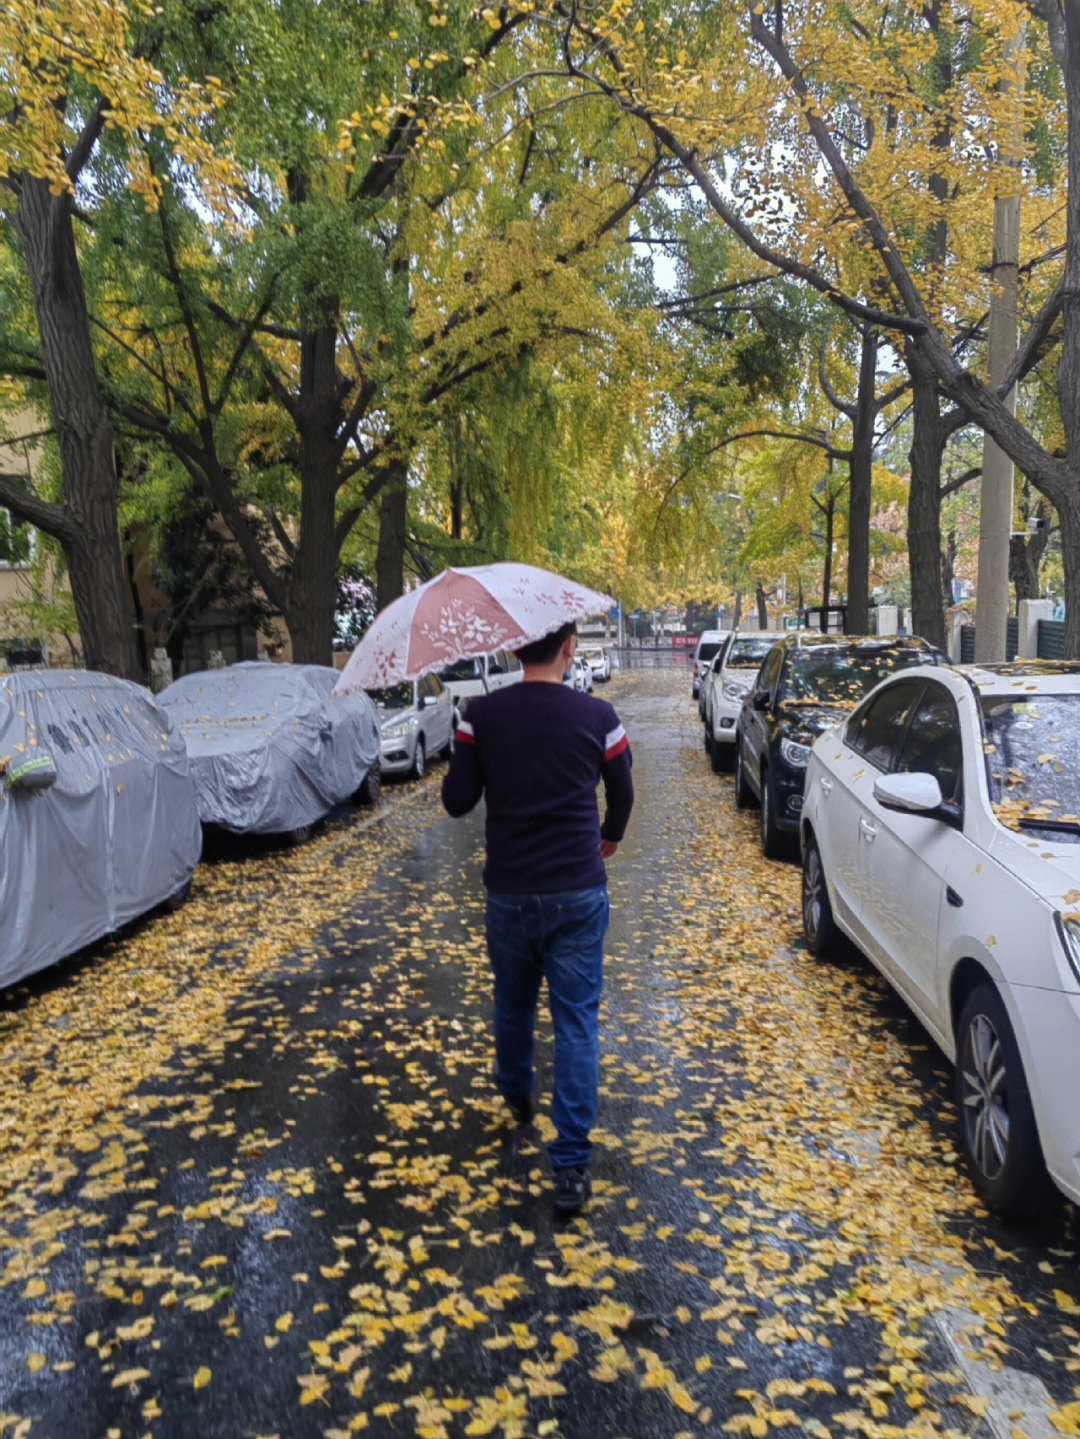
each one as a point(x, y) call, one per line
point(434, 685)
point(497, 663)
point(462, 670)
point(770, 671)
point(933, 743)
point(876, 729)
point(14, 540)
point(513, 664)
point(747, 651)
point(1032, 750)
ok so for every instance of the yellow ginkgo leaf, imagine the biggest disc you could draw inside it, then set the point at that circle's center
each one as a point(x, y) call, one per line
point(202, 1377)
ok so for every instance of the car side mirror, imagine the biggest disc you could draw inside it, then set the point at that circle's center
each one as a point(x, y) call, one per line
point(760, 700)
point(909, 793)
point(918, 794)
point(422, 702)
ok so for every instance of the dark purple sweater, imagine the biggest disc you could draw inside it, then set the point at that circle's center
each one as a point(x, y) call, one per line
point(538, 751)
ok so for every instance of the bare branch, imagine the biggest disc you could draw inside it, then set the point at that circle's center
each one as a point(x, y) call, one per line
point(25, 505)
point(958, 481)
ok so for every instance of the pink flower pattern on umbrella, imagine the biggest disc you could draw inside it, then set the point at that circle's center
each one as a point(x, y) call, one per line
point(462, 613)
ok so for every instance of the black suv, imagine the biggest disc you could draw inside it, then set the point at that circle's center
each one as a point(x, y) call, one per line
point(807, 682)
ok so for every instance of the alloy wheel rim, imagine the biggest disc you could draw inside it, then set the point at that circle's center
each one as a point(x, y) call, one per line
point(764, 810)
point(812, 886)
point(985, 1097)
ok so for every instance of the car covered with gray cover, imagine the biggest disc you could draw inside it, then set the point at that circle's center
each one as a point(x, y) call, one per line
point(272, 748)
point(98, 821)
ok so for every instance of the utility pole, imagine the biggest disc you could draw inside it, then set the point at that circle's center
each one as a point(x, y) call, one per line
point(996, 496)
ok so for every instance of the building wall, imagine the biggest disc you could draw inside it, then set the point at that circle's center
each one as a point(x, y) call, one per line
point(20, 579)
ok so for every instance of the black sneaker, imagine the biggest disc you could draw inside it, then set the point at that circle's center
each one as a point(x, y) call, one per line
point(522, 1107)
point(572, 1188)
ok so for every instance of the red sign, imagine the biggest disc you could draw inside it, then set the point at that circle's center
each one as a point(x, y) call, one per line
point(689, 640)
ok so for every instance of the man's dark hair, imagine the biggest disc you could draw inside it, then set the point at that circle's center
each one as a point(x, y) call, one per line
point(543, 651)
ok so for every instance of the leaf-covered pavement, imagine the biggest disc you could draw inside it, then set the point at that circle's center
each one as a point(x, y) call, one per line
point(255, 1180)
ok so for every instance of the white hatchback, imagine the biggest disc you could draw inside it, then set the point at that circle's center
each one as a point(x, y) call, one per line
point(941, 832)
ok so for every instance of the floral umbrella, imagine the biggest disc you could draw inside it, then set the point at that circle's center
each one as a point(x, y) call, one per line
point(462, 613)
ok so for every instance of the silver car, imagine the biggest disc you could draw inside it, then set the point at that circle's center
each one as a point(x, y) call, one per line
point(416, 723)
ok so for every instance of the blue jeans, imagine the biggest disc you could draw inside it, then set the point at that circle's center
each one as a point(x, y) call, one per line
point(560, 938)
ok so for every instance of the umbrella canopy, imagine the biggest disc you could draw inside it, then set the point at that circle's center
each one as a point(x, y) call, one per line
point(462, 613)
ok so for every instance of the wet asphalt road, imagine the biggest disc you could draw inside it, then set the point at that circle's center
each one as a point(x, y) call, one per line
point(309, 1214)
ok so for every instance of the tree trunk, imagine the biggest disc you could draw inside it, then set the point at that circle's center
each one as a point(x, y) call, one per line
point(861, 471)
point(313, 583)
point(924, 501)
point(762, 611)
point(738, 610)
point(948, 566)
point(826, 574)
point(1025, 556)
point(90, 534)
point(1068, 376)
point(457, 500)
point(390, 558)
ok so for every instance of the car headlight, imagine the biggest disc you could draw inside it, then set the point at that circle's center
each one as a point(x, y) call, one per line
point(732, 691)
point(396, 729)
point(1068, 928)
point(795, 754)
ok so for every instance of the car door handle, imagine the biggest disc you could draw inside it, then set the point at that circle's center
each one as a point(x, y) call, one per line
point(867, 829)
point(826, 786)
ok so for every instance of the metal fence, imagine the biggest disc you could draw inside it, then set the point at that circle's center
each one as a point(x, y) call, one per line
point(1012, 641)
point(1050, 639)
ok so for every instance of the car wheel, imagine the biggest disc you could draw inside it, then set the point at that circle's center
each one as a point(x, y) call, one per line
point(708, 740)
point(818, 926)
point(743, 796)
point(420, 760)
point(301, 834)
point(718, 753)
point(772, 842)
point(369, 791)
point(997, 1123)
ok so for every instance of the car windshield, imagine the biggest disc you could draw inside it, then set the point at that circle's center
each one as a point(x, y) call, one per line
point(747, 653)
point(394, 697)
point(1032, 748)
point(461, 670)
point(840, 677)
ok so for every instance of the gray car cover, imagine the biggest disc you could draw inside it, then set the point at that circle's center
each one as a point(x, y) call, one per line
point(98, 821)
point(272, 748)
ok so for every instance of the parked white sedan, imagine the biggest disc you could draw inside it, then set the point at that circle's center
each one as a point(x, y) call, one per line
point(941, 832)
point(727, 687)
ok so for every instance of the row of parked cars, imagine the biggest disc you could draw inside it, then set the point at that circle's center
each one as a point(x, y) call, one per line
point(937, 813)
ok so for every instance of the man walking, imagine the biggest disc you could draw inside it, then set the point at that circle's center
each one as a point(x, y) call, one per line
point(537, 751)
